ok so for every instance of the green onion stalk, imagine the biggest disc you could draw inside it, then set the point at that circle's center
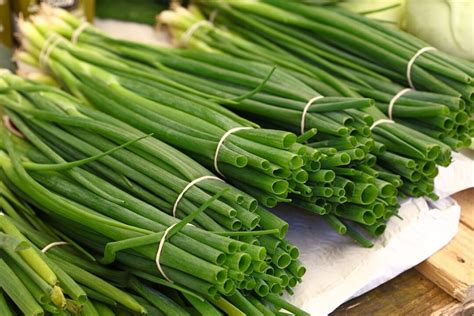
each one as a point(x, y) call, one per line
point(102, 183)
point(257, 160)
point(274, 174)
point(287, 40)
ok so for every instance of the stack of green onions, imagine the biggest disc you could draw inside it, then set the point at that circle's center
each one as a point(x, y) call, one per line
point(77, 170)
point(447, 77)
point(149, 72)
point(54, 280)
point(442, 117)
point(411, 157)
point(264, 162)
point(91, 288)
point(359, 43)
point(27, 278)
point(325, 191)
point(342, 183)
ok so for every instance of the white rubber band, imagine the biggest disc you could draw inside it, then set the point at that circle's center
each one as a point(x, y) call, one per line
point(412, 61)
point(44, 58)
point(394, 100)
point(213, 16)
point(305, 110)
point(190, 31)
point(221, 141)
point(380, 122)
point(160, 249)
point(44, 48)
point(187, 187)
point(9, 125)
point(54, 244)
point(77, 32)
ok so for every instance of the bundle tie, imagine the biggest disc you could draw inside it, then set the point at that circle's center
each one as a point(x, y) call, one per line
point(11, 127)
point(54, 244)
point(160, 249)
point(77, 32)
point(221, 141)
point(394, 100)
point(193, 28)
point(305, 110)
point(380, 122)
point(187, 187)
point(213, 16)
point(190, 31)
point(48, 48)
point(412, 61)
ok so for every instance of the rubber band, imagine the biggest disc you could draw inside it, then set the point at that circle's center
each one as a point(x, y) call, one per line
point(187, 187)
point(394, 100)
point(305, 110)
point(54, 244)
point(412, 61)
point(213, 16)
point(9, 125)
point(160, 249)
point(221, 141)
point(190, 31)
point(380, 122)
point(77, 32)
point(44, 58)
point(45, 47)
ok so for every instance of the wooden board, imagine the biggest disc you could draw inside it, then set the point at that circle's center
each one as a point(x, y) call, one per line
point(410, 293)
point(452, 268)
point(466, 201)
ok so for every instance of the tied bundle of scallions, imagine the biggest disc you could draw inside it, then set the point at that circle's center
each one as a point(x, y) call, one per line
point(252, 33)
point(82, 285)
point(103, 184)
point(264, 162)
point(56, 279)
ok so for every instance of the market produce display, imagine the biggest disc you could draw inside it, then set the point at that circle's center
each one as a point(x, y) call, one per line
point(136, 179)
point(109, 206)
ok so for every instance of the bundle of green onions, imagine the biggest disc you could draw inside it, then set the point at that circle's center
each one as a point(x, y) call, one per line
point(253, 34)
point(361, 43)
point(27, 278)
point(442, 117)
point(429, 70)
point(109, 198)
point(58, 279)
point(264, 162)
point(146, 73)
point(346, 185)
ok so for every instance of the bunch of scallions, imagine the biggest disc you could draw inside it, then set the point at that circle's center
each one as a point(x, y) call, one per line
point(43, 274)
point(439, 87)
point(418, 140)
point(146, 89)
point(109, 187)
